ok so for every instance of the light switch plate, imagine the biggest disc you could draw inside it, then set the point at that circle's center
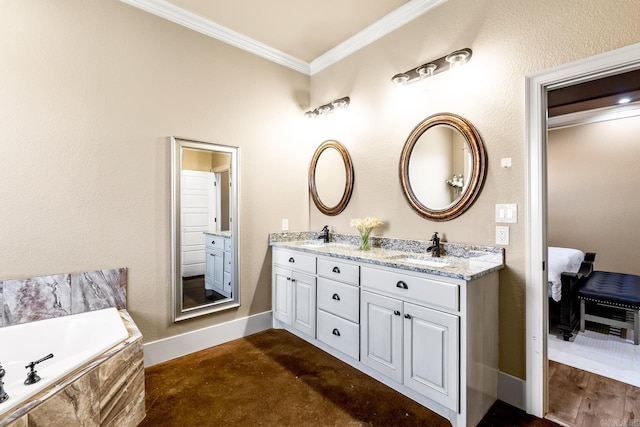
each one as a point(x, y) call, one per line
point(502, 235)
point(507, 213)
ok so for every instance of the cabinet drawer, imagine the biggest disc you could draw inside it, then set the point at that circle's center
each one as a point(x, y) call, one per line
point(339, 299)
point(414, 288)
point(214, 242)
point(340, 271)
point(295, 260)
point(339, 333)
point(227, 245)
point(228, 260)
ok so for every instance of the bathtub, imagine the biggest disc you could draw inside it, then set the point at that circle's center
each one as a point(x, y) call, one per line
point(73, 340)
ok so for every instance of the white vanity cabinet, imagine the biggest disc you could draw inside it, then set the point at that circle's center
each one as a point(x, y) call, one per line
point(339, 305)
point(433, 338)
point(294, 290)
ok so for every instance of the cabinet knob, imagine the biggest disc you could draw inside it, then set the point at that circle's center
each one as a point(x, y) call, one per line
point(288, 278)
point(396, 312)
point(401, 285)
point(292, 260)
point(407, 316)
point(336, 297)
point(336, 270)
point(213, 242)
point(336, 332)
point(293, 280)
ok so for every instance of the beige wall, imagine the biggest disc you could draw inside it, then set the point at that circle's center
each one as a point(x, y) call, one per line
point(593, 182)
point(510, 40)
point(90, 92)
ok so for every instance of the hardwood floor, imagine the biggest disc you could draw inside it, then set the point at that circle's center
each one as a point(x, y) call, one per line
point(580, 398)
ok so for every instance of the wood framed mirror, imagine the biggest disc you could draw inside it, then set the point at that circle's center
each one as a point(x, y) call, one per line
point(443, 166)
point(204, 228)
point(331, 177)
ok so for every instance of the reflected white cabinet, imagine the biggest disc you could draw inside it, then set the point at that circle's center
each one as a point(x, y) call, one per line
point(218, 264)
point(294, 291)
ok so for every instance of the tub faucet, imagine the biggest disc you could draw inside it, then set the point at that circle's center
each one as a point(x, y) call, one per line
point(32, 375)
point(3, 394)
point(324, 234)
point(435, 245)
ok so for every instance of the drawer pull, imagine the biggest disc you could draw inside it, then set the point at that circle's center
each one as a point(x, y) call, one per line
point(396, 312)
point(336, 270)
point(407, 316)
point(292, 260)
point(336, 297)
point(401, 285)
point(336, 332)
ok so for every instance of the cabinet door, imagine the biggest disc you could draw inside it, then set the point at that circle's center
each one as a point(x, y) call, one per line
point(304, 303)
point(218, 271)
point(381, 334)
point(282, 295)
point(431, 362)
point(209, 268)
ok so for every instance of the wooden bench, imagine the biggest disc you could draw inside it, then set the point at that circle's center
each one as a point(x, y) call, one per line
point(611, 290)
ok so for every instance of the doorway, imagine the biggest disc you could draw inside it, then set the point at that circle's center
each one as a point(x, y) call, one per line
point(537, 86)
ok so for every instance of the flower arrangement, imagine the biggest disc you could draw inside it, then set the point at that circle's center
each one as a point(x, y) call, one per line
point(365, 226)
point(457, 182)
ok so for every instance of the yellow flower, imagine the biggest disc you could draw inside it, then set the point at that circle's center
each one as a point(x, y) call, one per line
point(366, 224)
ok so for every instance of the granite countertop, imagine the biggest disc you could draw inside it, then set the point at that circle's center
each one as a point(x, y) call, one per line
point(219, 233)
point(458, 261)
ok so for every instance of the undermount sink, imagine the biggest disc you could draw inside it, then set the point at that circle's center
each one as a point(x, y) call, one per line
point(313, 244)
point(421, 261)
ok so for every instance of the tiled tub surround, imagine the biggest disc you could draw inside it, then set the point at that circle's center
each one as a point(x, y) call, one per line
point(105, 391)
point(45, 297)
point(457, 261)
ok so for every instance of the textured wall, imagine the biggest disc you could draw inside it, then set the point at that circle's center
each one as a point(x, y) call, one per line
point(89, 94)
point(510, 40)
point(592, 181)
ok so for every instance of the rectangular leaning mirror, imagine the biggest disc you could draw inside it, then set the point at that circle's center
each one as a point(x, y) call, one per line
point(205, 228)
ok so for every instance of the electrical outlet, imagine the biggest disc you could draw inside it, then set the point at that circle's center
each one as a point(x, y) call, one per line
point(285, 224)
point(502, 235)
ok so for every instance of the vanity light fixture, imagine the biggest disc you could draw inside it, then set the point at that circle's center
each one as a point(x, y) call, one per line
point(338, 104)
point(453, 60)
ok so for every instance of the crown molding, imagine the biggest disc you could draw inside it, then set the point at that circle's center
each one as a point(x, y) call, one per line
point(197, 23)
point(394, 20)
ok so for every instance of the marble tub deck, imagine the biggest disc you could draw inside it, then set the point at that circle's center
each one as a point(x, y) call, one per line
point(107, 391)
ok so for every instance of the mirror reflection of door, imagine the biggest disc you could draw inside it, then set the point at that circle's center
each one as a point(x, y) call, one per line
point(204, 208)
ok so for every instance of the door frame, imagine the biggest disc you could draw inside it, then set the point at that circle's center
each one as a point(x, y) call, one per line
point(613, 62)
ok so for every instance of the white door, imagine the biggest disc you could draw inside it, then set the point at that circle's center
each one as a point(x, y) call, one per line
point(431, 354)
point(381, 334)
point(197, 214)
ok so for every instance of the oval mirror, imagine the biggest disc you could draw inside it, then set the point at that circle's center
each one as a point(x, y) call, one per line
point(442, 166)
point(331, 178)
point(205, 228)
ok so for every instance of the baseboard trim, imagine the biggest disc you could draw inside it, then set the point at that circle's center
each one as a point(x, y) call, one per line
point(512, 390)
point(180, 345)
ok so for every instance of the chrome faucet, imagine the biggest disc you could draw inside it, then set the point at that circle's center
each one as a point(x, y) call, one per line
point(324, 234)
point(435, 245)
point(3, 394)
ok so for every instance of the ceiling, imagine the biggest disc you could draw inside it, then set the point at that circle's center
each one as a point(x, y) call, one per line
point(304, 35)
